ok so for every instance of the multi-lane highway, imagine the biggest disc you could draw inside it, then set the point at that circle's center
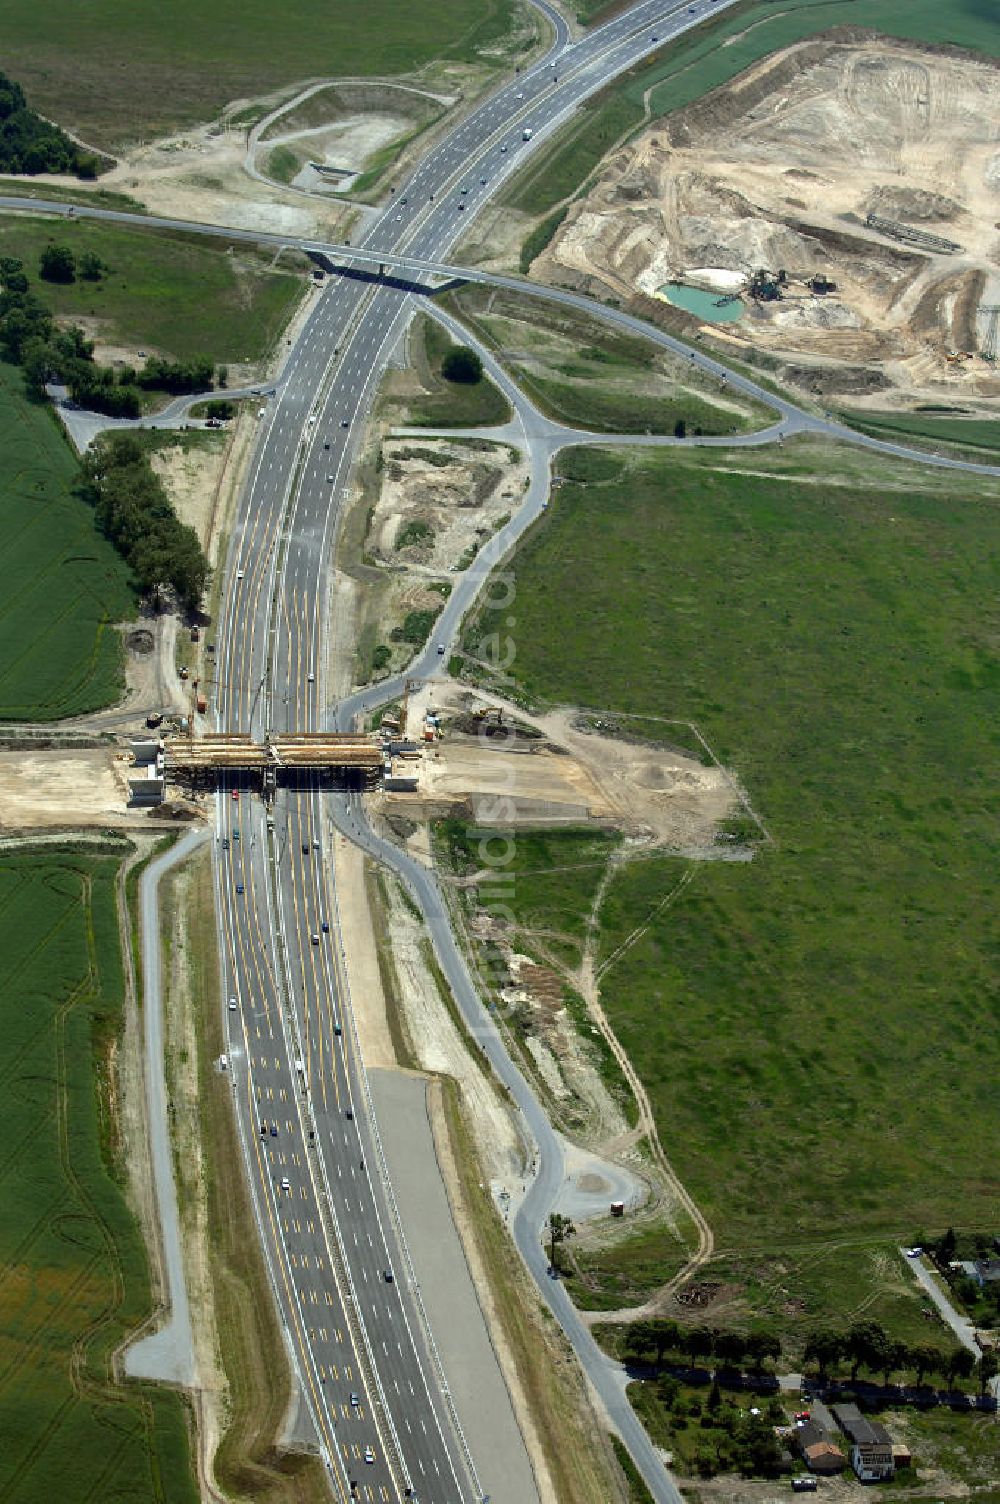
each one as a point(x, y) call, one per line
point(366, 1366)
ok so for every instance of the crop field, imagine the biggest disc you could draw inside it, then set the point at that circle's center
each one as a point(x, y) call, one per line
point(114, 72)
point(75, 1278)
point(62, 585)
point(808, 1025)
point(711, 55)
point(180, 295)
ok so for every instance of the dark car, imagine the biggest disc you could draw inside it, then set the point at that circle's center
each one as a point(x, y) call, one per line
point(274, 1130)
point(348, 1112)
point(325, 927)
point(305, 848)
point(240, 888)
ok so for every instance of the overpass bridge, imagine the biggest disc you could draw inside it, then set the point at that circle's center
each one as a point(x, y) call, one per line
point(291, 757)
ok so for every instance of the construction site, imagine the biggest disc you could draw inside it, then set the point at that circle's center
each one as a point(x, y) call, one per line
point(847, 192)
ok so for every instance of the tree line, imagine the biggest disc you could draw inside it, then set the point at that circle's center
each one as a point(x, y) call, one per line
point(866, 1345)
point(31, 145)
point(132, 508)
point(30, 338)
point(658, 1337)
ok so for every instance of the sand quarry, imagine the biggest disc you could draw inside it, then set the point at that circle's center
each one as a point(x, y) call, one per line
point(779, 170)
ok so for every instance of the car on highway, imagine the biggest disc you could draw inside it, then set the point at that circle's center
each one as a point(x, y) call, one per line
point(355, 1400)
point(239, 574)
point(327, 444)
point(389, 1278)
point(225, 843)
point(325, 927)
point(240, 889)
point(310, 678)
point(236, 795)
point(345, 422)
point(369, 1455)
point(232, 1005)
point(274, 1130)
point(329, 480)
point(349, 1113)
point(337, 1030)
point(236, 836)
point(314, 938)
point(315, 843)
point(305, 848)
point(286, 1184)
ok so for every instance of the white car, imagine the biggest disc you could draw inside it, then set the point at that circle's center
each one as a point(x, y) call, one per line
point(232, 1005)
point(369, 1455)
point(311, 678)
point(239, 574)
point(286, 1184)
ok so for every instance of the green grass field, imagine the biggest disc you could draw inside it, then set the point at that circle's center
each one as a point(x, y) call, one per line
point(977, 437)
point(580, 373)
point(115, 72)
point(181, 295)
point(75, 1278)
point(810, 1026)
point(447, 404)
point(63, 585)
point(713, 54)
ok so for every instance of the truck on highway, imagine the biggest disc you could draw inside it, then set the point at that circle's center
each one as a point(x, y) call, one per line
point(527, 133)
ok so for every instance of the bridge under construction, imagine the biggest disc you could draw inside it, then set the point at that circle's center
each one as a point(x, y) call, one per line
point(201, 762)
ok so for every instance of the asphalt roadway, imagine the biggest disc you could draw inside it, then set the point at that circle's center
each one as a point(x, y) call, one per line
point(323, 1203)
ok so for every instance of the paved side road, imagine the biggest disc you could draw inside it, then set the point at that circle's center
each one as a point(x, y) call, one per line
point(168, 1355)
point(960, 1325)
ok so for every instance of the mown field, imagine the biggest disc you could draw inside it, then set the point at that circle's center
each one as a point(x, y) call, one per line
point(712, 54)
point(62, 585)
point(115, 72)
point(179, 295)
point(75, 1279)
point(812, 1027)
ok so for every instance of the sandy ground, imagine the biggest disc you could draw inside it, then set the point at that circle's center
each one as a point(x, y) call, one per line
point(569, 775)
point(452, 495)
point(62, 788)
point(779, 170)
point(201, 175)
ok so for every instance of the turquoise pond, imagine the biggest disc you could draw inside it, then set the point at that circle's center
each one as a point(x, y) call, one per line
point(702, 304)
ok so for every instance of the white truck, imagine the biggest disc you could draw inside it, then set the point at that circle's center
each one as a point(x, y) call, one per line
point(527, 133)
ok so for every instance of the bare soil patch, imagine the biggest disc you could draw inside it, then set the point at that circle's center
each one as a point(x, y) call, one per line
point(565, 774)
point(778, 171)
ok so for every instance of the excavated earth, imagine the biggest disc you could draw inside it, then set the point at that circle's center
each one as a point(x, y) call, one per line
point(778, 171)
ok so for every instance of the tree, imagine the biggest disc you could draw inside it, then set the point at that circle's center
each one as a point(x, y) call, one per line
point(57, 264)
point(960, 1365)
point(698, 1341)
point(665, 1334)
point(463, 366)
point(824, 1348)
point(925, 1358)
point(560, 1230)
point(866, 1344)
point(730, 1346)
point(680, 429)
point(895, 1356)
point(761, 1346)
point(988, 1368)
point(92, 268)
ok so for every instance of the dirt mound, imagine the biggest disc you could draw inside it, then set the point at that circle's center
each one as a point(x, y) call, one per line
point(778, 172)
point(912, 205)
